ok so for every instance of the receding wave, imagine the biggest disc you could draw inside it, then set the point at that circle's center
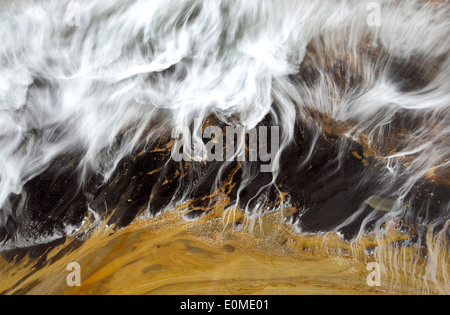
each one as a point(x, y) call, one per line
point(293, 129)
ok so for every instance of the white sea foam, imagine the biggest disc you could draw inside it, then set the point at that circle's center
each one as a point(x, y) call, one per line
point(128, 61)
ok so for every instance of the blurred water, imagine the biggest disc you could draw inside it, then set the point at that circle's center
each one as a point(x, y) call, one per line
point(68, 90)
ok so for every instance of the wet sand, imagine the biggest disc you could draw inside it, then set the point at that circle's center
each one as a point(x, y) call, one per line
point(169, 255)
point(204, 246)
point(145, 246)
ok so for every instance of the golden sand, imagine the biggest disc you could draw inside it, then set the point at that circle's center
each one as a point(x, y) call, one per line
point(168, 254)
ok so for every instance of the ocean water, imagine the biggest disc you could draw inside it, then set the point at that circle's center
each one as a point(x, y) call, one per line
point(221, 146)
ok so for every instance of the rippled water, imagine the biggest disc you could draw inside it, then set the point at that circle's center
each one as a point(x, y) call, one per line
point(92, 92)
